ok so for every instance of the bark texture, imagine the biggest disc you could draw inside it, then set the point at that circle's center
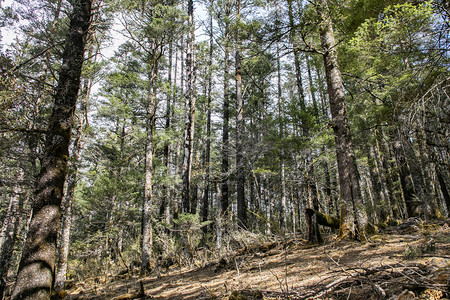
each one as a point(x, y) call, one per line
point(354, 220)
point(189, 111)
point(37, 265)
point(9, 231)
point(147, 212)
point(240, 172)
point(226, 117)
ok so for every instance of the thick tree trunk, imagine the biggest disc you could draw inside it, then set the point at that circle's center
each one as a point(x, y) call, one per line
point(240, 167)
point(37, 266)
point(188, 145)
point(66, 220)
point(354, 220)
point(444, 188)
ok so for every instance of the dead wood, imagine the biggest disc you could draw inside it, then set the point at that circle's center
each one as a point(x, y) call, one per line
point(324, 219)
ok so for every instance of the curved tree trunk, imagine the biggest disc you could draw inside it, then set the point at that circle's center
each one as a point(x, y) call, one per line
point(37, 266)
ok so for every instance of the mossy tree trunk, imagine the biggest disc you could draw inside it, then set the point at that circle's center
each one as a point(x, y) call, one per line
point(37, 265)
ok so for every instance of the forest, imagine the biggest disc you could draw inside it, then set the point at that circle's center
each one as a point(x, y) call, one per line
point(142, 138)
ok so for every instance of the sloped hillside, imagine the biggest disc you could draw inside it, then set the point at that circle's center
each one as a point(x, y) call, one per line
point(410, 261)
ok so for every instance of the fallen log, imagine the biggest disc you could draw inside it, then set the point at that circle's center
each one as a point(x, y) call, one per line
point(323, 219)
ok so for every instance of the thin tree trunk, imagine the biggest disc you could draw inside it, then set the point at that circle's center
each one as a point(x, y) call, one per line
point(37, 266)
point(208, 127)
point(164, 210)
point(66, 220)
point(267, 204)
point(147, 211)
point(354, 221)
point(406, 179)
point(226, 117)
point(314, 235)
point(189, 111)
point(380, 202)
point(283, 212)
point(298, 72)
point(240, 171)
point(9, 230)
point(311, 86)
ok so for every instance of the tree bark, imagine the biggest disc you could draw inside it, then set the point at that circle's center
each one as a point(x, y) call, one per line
point(226, 117)
point(164, 210)
point(298, 72)
point(444, 189)
point(406, 180)
point(188, 145)
point(147, 211)
point(380, 201)
point(205, 206)
point(37, 265)
point(9, 230)
point(354, 220)
point(240, 171)
point(314, 235)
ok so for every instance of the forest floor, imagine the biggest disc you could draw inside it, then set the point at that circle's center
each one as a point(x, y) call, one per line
point(409, 261)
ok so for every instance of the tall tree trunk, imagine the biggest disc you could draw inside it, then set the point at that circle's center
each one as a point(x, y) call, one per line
point(226, 116)
point(164, 210)
point(208, 125)
point(147, 211)
point(298, 71)
point(9, 230)
point(354, 219)
point(283, 212)
point(37, 266)
point(240, 171)
point(189, 110)
point(66, 219)
point(174, 194)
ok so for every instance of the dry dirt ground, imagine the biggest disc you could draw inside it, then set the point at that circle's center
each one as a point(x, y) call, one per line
point(404, 262)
